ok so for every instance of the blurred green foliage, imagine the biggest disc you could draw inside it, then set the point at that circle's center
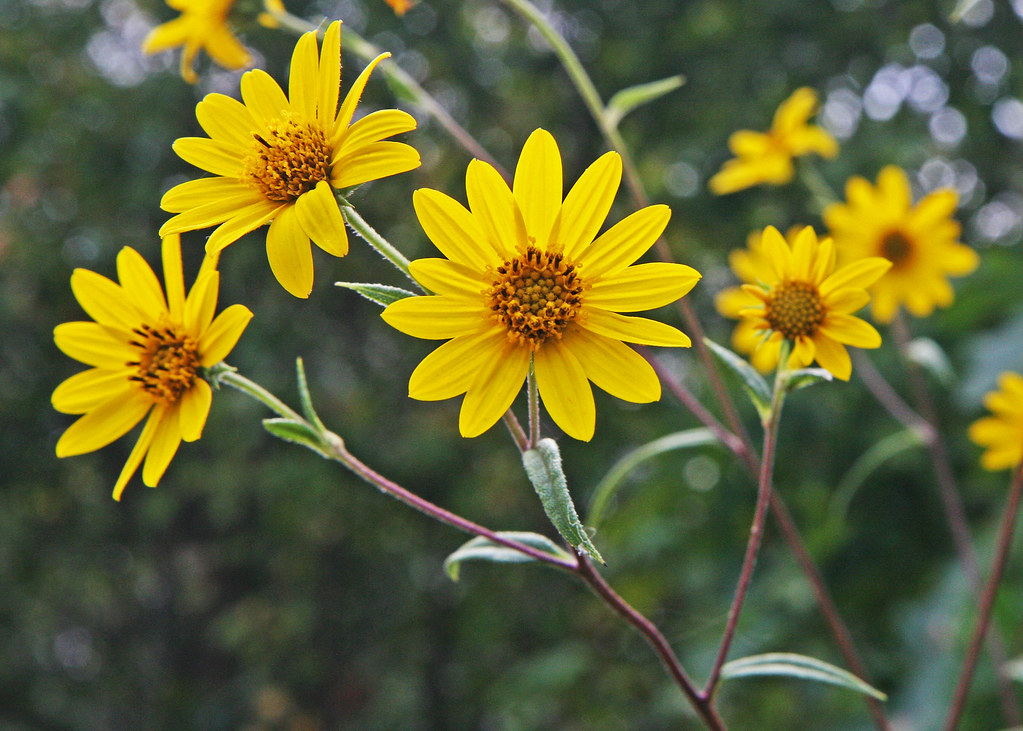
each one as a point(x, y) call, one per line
point(262, 588)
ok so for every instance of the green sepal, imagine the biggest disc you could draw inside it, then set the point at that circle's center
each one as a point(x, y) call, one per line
point(305, 399)
point(807, 377)
point(382, 294)
point(632, 97)
point(543, 467)
point(296, 432)
point(797, 666)
point(484, 549)
point(752, 382)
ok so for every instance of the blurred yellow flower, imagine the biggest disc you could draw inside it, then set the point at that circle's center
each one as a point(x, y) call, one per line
point(799, 296)
point(202, 25)
point(767, 157)
point(528, 283)
point(279, 161)
point(1002, 433)
point(146, 353)
point(921, 241)
point(400, 7)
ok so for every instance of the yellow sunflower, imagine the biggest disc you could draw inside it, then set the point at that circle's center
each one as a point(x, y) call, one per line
point(201, 25)
point(1002, 433)
point(748, 264)
point(279, 161)
point(801, 297)
point(146, 353)
point(527, 282)
point(766, 157)
point(921, 241)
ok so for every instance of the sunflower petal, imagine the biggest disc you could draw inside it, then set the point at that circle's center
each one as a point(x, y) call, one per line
point(321, 219)
point(103, 300)
point(89, 389)
point(101, 426)
point(642, 287)
point(453, 230)
point(565, 390)
point(861, 274)
point(193, 410)
point(452, 368)
point(93, 344)
point(494, 389)
point(139, 451)
point(373, 162)
point(223, 333)
point(446, 277)
point(302, 88)
point(247, 218)
point(614, 366)
point(201, 191)
point(225, 120)
point(201, 303)
point(638, 330)
point(494, 207)
point(436, 318)
point(623, 243)
point(263, 97)
point(140, 285)
point(212, 156)
point(374, 127)
point(833, 357)
point(161, 451)
point(328, 78)
point(537, 185)
point(851, 331)
point(347, 110)
point(289, 254)
point(586, 206)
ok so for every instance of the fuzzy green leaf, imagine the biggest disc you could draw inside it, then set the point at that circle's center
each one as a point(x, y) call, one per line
point(296, 432)
point(932, 358)
point(543, 467)
point(484, 549)
point(382, 294)
point(797, 666)
point(753, 383)
point(807, 377)
point(628, 99)
point(304, 398)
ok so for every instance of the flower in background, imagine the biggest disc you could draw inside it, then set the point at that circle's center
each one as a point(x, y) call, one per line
point(921, 241)
point(801, 297)
point(279, 160)
point(528, 283)
point(202, 25)
point(1002, 433)
point(400, 7)
point(748, 264)
point(146, 353)
point(766, 157)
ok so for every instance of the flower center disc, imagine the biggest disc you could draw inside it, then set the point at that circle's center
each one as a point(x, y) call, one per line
point(896, 248)
point(289, 161)
point(535, 296)
point(794, 309)
point(168, 362)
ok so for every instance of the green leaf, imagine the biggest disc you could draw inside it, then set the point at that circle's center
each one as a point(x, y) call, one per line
point(864, 466)
point(543, 467)
point(797, 666)
point(296, 432)
point(615, 476)
point(929, 355)
point(484, 549)
point(628, 99)
point(807, 377)
point(382, 294)
point(305, 399)
point(1014, 669)
point(754, 384)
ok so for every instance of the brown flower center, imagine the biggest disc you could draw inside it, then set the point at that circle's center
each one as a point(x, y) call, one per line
point(896, 247)
point(535, 296)
point(289, 160)
point(794, 309)
point(168, 361)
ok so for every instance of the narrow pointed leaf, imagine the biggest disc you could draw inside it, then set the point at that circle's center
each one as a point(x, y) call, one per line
point(808, 377)
point(615, 476)
point(484, 549)
point(932, 358)
point(628, 99)
point(305, 399)
point(754, 384)
point(382, 294)
point(797, 666)
point(543, 467)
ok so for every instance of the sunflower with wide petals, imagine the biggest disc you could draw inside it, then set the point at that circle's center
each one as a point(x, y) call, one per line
point(921, 241)
point(279, 160)
point(146, 352)
point(1001, 434)
point(528, 283)
point(749, 264)
point(801, 297)
point(766, 157)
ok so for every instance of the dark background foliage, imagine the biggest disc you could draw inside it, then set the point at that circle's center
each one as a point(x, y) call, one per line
point(260, 587)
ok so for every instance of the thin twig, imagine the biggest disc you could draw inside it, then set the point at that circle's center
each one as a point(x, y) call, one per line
point(987, 600)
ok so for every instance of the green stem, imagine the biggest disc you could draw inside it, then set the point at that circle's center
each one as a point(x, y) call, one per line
point(383, 247)
point(765, 482)
point(534, 405)
point(230, 377)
